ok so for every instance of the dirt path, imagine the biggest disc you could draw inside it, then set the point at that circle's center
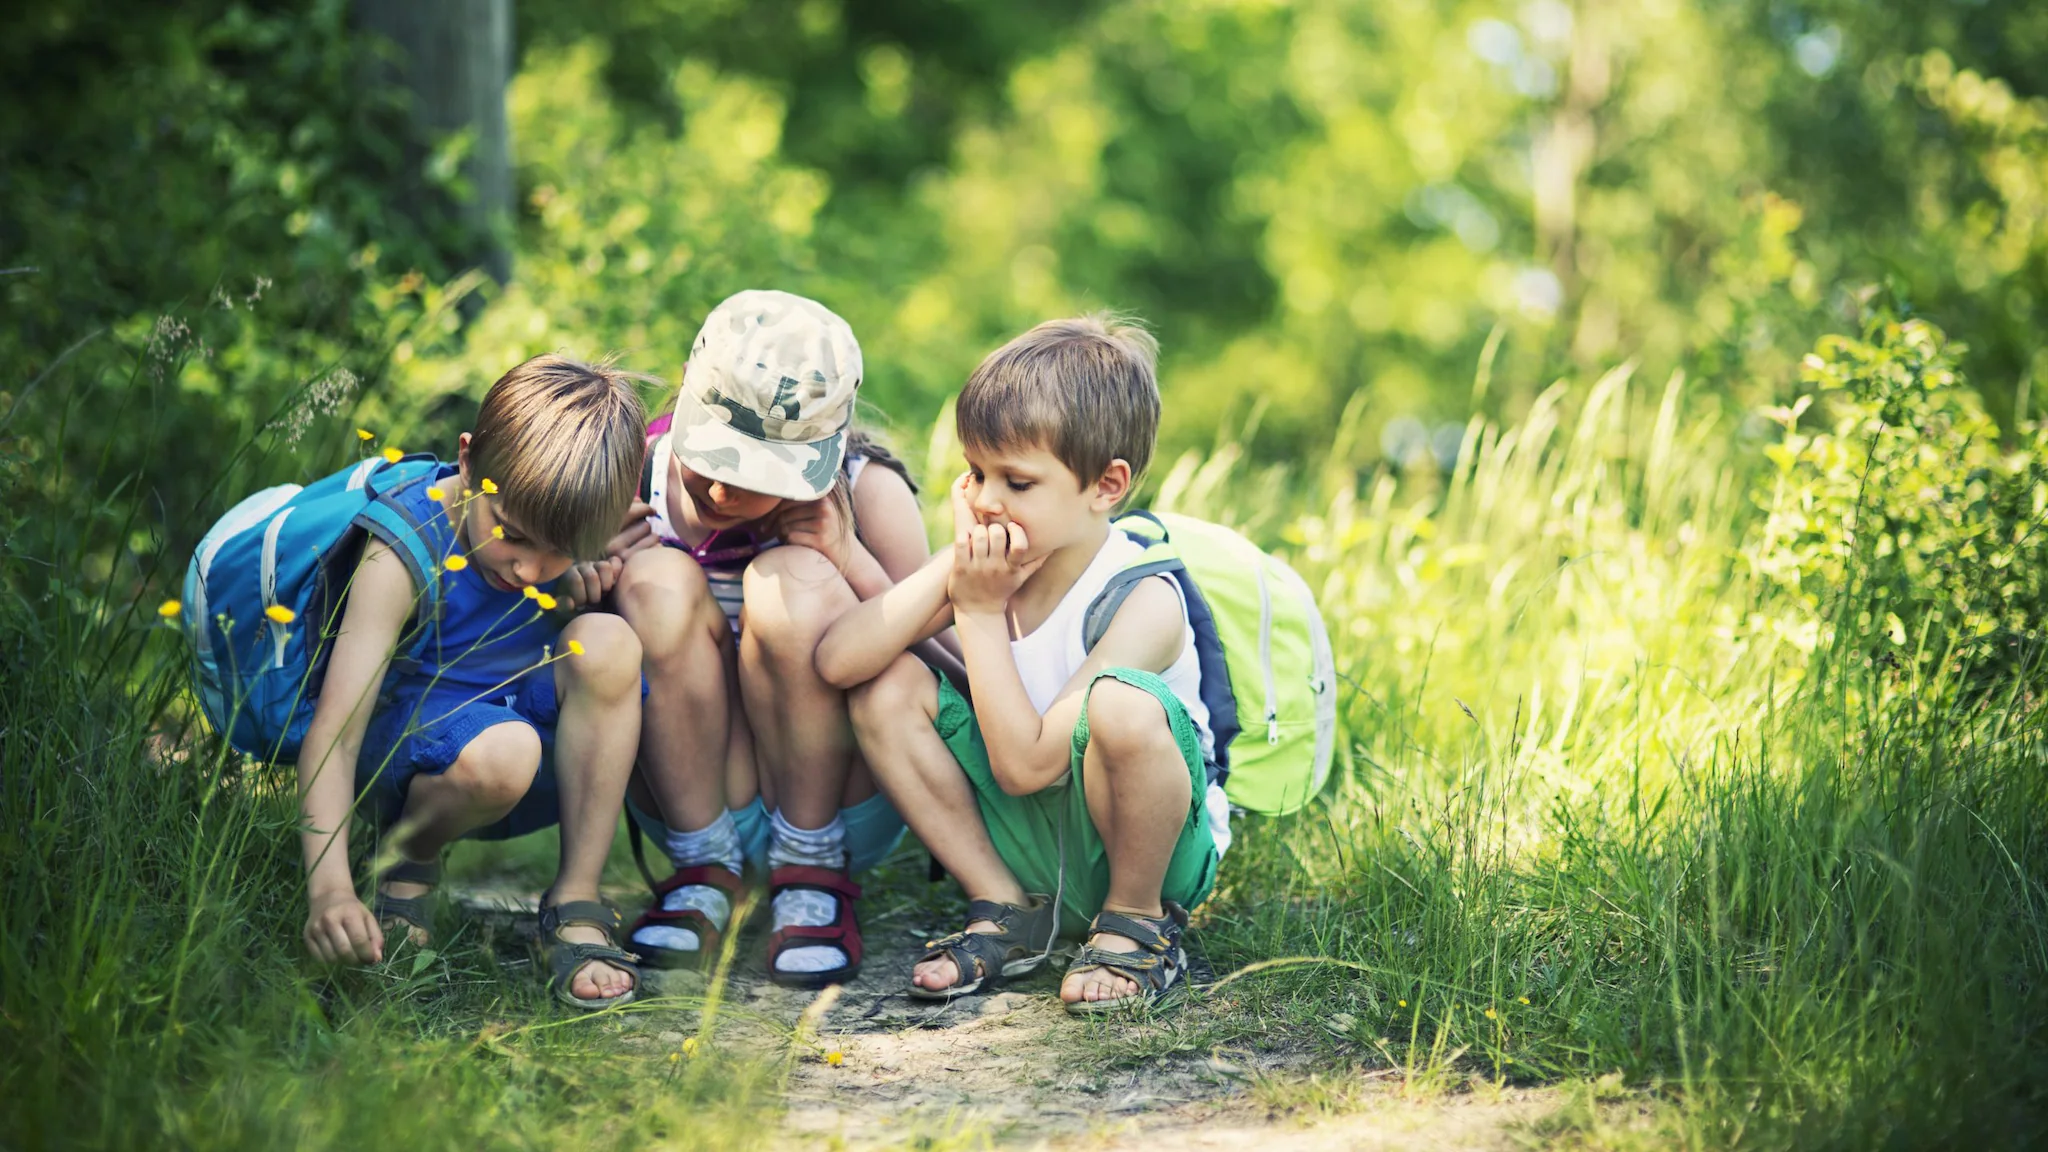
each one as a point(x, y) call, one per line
point(1012, 1069)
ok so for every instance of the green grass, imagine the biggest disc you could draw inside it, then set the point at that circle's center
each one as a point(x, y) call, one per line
point(1792, 894)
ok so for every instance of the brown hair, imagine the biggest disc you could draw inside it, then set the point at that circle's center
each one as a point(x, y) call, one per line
point(1086, 389)
point(563, 442)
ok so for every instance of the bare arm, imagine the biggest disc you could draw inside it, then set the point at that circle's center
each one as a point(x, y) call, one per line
point(380, 600)
point(863, 641)
point(1028, 752)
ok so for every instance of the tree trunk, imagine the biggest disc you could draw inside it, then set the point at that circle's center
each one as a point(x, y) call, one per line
point(453, 59)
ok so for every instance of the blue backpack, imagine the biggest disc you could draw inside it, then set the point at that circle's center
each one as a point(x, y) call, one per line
point(258, 670)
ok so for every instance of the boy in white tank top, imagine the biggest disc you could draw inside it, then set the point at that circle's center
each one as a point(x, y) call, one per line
point(1070, 796)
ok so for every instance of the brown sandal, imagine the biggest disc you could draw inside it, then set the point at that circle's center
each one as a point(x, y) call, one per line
point(843, 933)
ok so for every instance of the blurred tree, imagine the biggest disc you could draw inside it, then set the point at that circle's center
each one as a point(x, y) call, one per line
point(453, 59)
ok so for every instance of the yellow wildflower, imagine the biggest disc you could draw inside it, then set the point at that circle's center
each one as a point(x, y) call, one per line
point(497, 531)
point(1402, 1003)
point(690, 1047)
point(435, 493)
point(835, 1058)
point(365, 434)
point(280, 613)
point(490, 486)
point(530, 592)
point(674, 1056)
point(1491, 1014)
point(546, 602)
point(456, 563)
point(393, 455)
point(1521, 999)
point(575, 647)
point(169, 608)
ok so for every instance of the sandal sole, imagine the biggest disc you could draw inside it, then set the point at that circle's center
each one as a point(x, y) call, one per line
point(813, 981)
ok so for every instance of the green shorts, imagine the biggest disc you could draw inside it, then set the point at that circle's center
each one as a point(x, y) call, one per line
point(1030, 832)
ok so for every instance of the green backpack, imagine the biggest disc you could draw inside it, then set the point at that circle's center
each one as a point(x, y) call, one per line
point(1267, 674)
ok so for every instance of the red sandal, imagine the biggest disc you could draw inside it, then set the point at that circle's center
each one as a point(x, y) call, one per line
point(843, 934)
point(709, 935)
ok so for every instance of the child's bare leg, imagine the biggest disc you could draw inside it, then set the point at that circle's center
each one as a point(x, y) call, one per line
point(801, 729)
point(687, 655)
point(896, 715)
point(799, 722)
point(1138, 796)
point(486, 781)
point(595, 739)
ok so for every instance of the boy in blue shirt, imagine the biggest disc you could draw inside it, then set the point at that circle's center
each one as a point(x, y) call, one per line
point(509, 723)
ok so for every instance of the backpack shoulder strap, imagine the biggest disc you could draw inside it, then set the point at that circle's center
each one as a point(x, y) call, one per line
point(1103, 609)
point(387, 518)
point(1158, 560)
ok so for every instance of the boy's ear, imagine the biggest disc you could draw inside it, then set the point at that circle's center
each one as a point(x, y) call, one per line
point(462, 460)
point(1113, 485)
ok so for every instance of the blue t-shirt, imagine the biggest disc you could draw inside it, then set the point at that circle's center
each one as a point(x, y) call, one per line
point(484, 641)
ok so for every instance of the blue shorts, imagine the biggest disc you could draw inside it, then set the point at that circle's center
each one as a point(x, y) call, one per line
point(441, 724)
point(873, 829)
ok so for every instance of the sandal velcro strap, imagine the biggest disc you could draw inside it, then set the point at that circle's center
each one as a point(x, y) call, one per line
point(821, 879)
point(413, 910)
point(1151, 935)
point(706, 875)
point(595, 913)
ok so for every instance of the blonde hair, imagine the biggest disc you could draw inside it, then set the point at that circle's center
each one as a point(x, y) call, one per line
point(1085, 389)
point(563, 441)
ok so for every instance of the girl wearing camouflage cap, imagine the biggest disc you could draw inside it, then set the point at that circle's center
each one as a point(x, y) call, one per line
point(774, 521)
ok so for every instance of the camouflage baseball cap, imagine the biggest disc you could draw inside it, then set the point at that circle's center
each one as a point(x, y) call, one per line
point(768, 395)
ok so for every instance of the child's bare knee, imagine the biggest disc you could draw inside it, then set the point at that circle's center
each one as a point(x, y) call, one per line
point(608, 662)
point(1128, 724)
point(793, 594)
point(665, 596)
point(905, 688)
point(494, 770)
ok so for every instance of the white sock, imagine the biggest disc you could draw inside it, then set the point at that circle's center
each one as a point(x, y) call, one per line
point(716, 843)
point(803, 907)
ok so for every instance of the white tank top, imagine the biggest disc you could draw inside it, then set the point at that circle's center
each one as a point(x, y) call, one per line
point(1050, 655)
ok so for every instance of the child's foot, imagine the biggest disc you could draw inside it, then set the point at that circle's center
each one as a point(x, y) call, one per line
point(940, 973)
point(1129, 960)
point(1000, 941)
point(817, 938)
point(585, 966)
point(401, 905)
point(597, 979)
point(689, 917)
point(1099, 985)
point(393, 923)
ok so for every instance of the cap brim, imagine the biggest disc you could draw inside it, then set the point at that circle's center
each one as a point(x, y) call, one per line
point(718, 451)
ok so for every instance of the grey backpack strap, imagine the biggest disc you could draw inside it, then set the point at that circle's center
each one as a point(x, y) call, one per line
point(1095, 621)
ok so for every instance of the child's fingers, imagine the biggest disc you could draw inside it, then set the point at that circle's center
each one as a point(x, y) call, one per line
point(963, 512)
point(1013, 539)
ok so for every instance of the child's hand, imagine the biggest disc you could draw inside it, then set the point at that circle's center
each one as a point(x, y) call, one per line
point(635, 533)
point(987, 560)
point(588, 582)
point(820, 526)
point(340, 930)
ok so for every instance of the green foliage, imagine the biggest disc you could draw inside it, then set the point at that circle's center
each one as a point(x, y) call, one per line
point(1906, 521)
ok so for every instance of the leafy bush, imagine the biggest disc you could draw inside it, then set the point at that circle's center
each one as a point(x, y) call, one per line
point(1905, 522)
